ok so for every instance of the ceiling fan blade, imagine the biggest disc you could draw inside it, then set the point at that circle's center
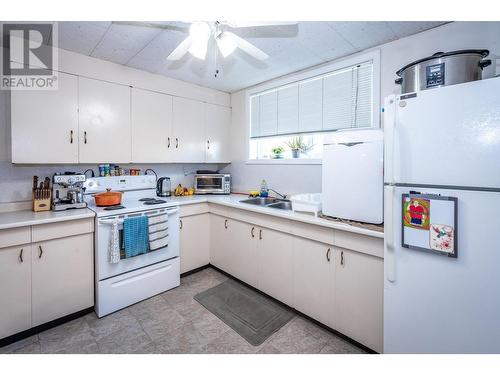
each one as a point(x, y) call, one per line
point(153, 25)
point(180, 50)
point(246, 46)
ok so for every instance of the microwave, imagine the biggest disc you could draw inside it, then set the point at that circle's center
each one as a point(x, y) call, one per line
point(212, 183)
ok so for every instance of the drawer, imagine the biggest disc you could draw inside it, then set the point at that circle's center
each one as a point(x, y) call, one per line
point(124, 290)
point(261, 220)
point(218, 209)
point(313, 232)
point(45, 232)
point(193, 209)
point(15, 236)
point(358, 242)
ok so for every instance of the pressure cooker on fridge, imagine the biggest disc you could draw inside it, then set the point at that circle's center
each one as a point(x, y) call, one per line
point(443, 69)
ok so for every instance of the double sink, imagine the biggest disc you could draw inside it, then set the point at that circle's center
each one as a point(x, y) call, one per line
point(280, 204)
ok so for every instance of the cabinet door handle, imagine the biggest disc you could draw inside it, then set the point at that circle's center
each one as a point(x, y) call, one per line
point(40, 251)
point(180, 224)
point(260, 234)
point(85, 137)
point(225, 223)
point(168, 142)
point(342, 258)
point(328, 254)
point(71, 136)
point(176, 142)
point(252, 232)
point(208, 144)
point(21, 256)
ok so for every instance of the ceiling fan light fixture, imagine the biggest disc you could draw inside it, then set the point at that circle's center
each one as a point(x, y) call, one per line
point(199, 33)
point(226, 44)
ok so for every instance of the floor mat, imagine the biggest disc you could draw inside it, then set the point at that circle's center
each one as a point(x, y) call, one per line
point(252, 315)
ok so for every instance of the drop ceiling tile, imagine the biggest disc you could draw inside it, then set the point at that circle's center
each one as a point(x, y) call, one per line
point(153, 57)
point(122, 42)
point(364, 35)
point(81, 37)
point(406, 28)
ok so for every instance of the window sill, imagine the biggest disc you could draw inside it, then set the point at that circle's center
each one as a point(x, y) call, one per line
point(285, 161)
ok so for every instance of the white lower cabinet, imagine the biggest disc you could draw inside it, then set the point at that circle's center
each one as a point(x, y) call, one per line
point(62, 277)
point(195, 241)
point(219, 246)
point(313, 279)
point(15, 289)
point(359, 287)
point(275, 265)
point(243, 249)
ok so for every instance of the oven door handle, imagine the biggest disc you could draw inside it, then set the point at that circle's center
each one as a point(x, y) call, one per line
point(169, 211)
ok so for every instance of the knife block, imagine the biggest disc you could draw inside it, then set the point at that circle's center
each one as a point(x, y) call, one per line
point(42, 204)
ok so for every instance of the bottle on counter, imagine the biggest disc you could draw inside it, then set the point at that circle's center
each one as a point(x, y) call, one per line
point(264, 190)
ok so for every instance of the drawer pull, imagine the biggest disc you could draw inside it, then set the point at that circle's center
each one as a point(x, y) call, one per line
point(176, 142)
point(85, 137)
point(40, 252)
point(260, 234)
point(342, 258)
point(225, 223)
point(180, 224)
point(168, 142)
point(71, 137)
point(21, 256)
point(252, 232)
point(328, 254)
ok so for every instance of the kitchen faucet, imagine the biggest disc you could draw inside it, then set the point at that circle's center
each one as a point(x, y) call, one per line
point(283, 196)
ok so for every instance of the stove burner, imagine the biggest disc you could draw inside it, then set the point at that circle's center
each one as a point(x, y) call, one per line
point(112, 208)
point(154, 201)
point(147, 199)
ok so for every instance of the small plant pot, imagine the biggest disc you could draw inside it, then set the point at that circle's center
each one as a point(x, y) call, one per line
point(295, 154)
point(278, 156)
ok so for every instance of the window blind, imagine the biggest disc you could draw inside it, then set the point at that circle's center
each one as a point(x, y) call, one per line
point(337, 100)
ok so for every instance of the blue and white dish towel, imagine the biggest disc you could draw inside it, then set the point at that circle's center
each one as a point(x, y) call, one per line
point(136, 235)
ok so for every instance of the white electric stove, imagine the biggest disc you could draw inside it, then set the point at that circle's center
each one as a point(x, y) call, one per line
point(133, 279)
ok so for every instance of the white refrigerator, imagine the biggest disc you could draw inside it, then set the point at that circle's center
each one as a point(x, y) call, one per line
point(444, 142)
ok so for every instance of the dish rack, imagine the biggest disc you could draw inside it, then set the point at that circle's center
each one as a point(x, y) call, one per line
point(310, 203)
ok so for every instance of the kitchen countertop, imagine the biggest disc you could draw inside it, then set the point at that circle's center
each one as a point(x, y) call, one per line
point(233, 201)
point(14, 219)
point(23, 218)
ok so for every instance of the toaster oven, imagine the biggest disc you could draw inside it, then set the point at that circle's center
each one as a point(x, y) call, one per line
point(212, 183)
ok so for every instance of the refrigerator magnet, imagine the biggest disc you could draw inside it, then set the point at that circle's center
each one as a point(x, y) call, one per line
point(429, 223)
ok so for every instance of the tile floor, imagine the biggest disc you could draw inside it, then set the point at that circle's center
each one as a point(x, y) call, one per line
point(173, 322)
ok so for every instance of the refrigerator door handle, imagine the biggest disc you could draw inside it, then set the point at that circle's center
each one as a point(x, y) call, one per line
point(389, 256)
point(389, 129)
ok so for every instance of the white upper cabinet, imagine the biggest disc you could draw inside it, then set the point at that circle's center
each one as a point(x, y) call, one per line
point(268, 114)
point(151, 127)
point(45, 123)
point(288, 113)
point(104, 122)
point(189, 138)
point(311, 105)
point(218, 121)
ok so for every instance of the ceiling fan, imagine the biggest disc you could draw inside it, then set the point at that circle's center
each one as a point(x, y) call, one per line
point(200, 33)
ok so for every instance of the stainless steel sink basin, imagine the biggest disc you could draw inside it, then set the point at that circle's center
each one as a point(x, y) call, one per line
point(281, 204)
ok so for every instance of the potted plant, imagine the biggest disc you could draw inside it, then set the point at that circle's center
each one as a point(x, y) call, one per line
point(297, 145)
point(278, 152)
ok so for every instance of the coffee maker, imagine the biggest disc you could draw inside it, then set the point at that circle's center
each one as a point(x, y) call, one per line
point(67, 191)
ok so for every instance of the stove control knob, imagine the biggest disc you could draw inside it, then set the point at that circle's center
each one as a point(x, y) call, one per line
point(71, 180)
point(91, 183)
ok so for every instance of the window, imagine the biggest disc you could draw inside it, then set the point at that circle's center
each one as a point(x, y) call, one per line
point(289, 121)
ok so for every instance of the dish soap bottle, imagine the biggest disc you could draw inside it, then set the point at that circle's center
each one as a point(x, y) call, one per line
point(264, 191)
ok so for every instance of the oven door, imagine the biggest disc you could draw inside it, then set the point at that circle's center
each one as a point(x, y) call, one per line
point(105, 269)
point(209, 184)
